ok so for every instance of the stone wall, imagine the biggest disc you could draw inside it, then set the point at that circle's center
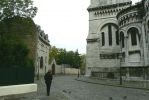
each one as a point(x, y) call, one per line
point(101, 15)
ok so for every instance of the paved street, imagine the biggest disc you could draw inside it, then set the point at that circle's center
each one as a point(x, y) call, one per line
point(67, 88)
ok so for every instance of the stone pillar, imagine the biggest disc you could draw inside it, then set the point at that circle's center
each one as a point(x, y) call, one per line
point(144, 43)
point(126, 49)
point(127, 73)
point(88, 72)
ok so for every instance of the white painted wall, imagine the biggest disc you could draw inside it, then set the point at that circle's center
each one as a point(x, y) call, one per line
point(42, 51)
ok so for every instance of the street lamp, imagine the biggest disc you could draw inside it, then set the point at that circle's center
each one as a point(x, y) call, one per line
point(78, 71)
point(120, 56)
point(38, 68)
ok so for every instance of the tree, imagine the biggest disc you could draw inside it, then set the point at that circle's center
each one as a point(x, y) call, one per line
point(83, 63)
point(62, 56)
point(77, 59)
point(22, 8)
point(53, 54)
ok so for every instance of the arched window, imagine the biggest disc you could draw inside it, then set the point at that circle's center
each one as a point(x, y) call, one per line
point(108, 34)
point(122, 39)
point(41, 62)
point(103, 38)
point(134, 34)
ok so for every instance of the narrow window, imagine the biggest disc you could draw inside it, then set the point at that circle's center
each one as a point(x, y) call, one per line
point(110, 34)
point(133, 35)
point(122, 39)
point(133, 38)
point(103, 38)
point(117, 38)
point(41, 62)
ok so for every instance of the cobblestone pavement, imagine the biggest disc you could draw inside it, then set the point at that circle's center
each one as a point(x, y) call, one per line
point(140, 84)
point(67, 88)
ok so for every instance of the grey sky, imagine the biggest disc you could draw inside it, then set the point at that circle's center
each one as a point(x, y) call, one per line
point(65, 21)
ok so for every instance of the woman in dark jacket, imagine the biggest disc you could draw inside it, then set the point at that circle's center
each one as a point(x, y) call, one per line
point(48, 80)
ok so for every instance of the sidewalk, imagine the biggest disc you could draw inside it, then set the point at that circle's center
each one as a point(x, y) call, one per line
point(41, 94)
point(111, 82)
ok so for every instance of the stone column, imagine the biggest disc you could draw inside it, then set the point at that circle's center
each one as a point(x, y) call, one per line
point(144, 43)
point(126, 49)
point(127, 73)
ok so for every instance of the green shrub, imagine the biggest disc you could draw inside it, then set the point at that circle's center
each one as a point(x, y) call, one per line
point(13, 53)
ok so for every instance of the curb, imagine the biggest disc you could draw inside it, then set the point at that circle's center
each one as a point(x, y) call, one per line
point(112, 85)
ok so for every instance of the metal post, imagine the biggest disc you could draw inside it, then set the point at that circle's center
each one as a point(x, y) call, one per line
point(38, 68)
point(120, 56)
point(64, 70)
point(120, 75)
point(78, 72)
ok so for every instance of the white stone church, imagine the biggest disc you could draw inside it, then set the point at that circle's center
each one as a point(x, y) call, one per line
point(118, 38)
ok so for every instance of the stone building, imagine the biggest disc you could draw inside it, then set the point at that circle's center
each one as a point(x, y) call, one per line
point(117, 39)
point(42, 58)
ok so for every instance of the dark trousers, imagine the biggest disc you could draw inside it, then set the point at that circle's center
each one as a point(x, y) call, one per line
point(48, 85)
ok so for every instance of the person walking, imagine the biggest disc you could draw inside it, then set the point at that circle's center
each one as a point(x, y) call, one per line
point(48, 80)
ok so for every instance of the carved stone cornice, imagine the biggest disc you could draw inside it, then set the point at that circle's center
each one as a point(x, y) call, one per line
point(129, 9)
point(92, 40)
point(109, 6)
point(130, 15)
point(44, 41)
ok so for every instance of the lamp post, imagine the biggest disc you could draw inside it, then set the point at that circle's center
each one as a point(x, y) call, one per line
point(78, 71)
point(120, 56)
point(38, 68)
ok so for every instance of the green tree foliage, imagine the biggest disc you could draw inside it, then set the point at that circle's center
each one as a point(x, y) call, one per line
point(22, 8)
point(17, 25)
point(61, 57)
point(53, 53)
point(83, 63)
point(13, 53)
point(76, 60)
point(65, 57)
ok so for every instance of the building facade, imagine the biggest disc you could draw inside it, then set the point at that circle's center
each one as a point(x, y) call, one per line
point(118, 38)
point(42, 58)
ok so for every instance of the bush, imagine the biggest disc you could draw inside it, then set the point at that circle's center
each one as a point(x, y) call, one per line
point(13, 53)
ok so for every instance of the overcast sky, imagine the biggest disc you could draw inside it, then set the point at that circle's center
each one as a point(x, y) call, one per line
point(65, 21)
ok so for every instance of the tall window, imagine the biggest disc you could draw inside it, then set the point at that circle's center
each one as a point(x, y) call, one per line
point(103, 38)
point(133, 39)
point(117, 38)
point(110, 34)
point(122, 39)
point(41, 62)
point(133, 33)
